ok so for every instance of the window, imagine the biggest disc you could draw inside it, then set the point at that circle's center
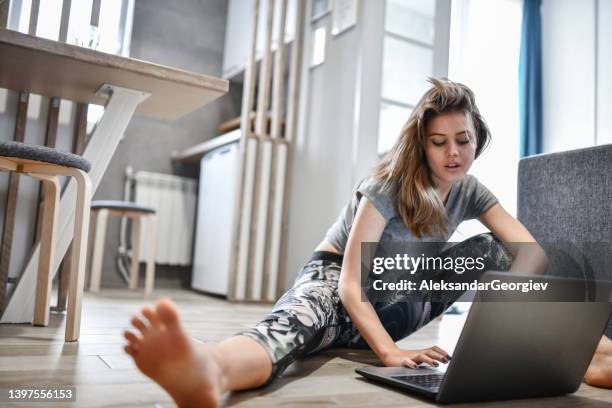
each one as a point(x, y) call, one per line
point(411, 19)
point(317, 56)
point(488, 64)
point(112, 35)
point(391, 120)
point(407, 62)
point(406, 67)
point(49, 16)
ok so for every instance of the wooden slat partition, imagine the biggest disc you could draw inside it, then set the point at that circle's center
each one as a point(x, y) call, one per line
point(290, 130)
point(295, 72)
point(261, 208)
point(270, 262)
point(11, 202)
point(238, 267)
point(279, 76)
point(261, 168)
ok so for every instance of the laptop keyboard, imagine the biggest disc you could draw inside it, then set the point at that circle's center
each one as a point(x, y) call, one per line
point(426, 380)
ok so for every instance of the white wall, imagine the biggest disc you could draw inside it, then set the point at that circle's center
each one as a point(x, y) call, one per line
point(576, 64)
point(336, 138)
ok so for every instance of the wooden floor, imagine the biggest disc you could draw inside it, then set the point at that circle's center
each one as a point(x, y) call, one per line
point(104, 376)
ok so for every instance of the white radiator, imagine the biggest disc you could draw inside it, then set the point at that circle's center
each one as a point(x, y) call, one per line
point(174, 200)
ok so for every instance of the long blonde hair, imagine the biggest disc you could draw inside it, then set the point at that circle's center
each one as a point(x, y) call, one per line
point(405, 165)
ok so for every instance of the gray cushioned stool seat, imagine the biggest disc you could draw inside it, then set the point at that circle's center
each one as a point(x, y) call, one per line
point(120, 205)
point(43, 154)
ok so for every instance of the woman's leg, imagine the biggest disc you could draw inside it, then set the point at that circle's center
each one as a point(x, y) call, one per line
point(196, 374)
point(402, 314)
point(245, 363)
point(305, 319)
point(193, 373)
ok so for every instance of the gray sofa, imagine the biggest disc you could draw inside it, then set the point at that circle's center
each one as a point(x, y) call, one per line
point(565, 200)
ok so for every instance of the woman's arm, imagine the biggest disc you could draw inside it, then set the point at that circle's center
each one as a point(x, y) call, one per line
point(368, 226)
point(529, 257)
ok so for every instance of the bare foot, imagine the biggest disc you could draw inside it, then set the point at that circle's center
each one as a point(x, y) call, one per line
point(604, 346)
point(190, 372)
point(599, 373)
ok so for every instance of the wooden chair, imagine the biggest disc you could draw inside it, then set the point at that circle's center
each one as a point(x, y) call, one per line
point(100, 212)
point(46, 164)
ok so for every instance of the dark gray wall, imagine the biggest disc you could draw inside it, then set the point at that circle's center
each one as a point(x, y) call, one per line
point(190, 35)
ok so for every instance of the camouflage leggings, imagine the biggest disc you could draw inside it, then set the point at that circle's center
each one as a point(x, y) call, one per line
point(310, 317)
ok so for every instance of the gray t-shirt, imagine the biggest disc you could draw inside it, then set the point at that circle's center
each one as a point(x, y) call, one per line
point(467, 199)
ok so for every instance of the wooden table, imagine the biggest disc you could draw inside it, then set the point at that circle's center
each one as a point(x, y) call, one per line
point(62, 70)
point(123, 85)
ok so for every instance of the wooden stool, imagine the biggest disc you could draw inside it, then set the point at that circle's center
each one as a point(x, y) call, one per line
point(46, 164)
point(100, 211)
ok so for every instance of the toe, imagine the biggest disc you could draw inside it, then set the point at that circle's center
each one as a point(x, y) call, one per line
point(152, 316)
point(593, 376)
point(167, 312)
point(130, 350)
point(132, 338)
point(599, 373)
point(140, 325)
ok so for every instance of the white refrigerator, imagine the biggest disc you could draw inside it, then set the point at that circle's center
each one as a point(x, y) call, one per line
point(212, 251)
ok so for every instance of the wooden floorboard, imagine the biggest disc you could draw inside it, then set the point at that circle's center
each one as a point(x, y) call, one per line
point(104, 376)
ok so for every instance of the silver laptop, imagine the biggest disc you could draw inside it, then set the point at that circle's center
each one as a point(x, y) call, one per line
point(511, 350)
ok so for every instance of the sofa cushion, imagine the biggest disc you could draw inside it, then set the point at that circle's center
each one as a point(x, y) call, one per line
point(565, 201)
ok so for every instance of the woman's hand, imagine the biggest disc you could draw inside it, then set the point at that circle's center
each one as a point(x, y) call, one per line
point(412, 358)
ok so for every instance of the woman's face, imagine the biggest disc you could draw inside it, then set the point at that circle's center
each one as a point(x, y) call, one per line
point(450, 147)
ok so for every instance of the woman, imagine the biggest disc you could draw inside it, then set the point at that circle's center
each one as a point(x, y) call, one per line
point(419, 192)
